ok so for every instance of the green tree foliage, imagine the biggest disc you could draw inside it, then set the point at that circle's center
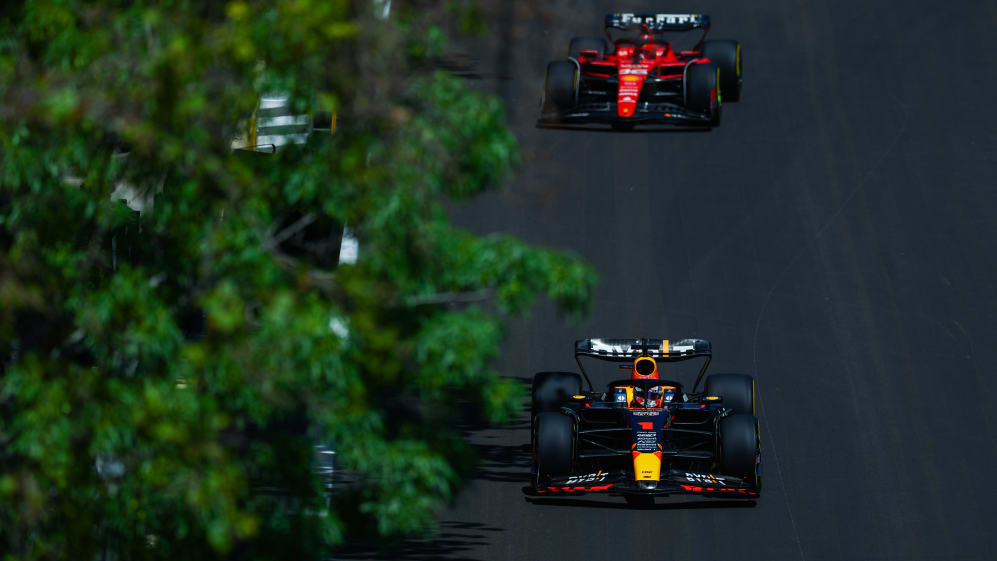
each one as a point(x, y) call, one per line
point(132, 427)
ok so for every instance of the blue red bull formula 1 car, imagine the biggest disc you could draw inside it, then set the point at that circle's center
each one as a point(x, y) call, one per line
point(645, 76)
point(645, 436)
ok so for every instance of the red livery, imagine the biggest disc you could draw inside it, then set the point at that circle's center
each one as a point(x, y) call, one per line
point(646, 78)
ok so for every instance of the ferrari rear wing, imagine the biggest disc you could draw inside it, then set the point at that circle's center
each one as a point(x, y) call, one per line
point(657, 23)
point(626, 350)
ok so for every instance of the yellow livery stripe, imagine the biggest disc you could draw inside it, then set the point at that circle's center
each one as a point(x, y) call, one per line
point(647, 466)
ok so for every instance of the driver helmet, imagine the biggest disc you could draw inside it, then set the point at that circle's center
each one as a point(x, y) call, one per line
point(654, 397)
point(644, 368)
point(653, 49)
point(658, 396)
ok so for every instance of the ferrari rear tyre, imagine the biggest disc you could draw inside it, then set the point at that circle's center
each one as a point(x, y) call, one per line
point(701, 90)
point(737, 391)
point(579, 44)
point(739, 447)
point(561, 85)
point(552, 389)
point(554, 445)
point(726, 54)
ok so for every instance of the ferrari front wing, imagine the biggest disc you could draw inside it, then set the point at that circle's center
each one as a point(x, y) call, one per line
point(646, 113)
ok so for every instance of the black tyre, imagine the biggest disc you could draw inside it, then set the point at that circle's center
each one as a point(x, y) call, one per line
point(737, 391)
point(739, 447)
point(561, 85)
point(579, 44)
point(702, 92)
point(552, 389)
point(726, 54)
point(554, 445)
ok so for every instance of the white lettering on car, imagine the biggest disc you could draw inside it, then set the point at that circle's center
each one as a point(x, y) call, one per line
point(590, 478)
point(708, 479)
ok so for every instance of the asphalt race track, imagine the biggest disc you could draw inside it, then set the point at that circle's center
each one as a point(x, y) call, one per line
point(835, 237)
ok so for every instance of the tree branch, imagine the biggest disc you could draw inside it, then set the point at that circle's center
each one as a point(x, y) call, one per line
point(285, 234)
point(450, 297)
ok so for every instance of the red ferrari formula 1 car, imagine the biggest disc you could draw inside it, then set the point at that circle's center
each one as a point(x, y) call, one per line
point(645, 77)
point(645, 436)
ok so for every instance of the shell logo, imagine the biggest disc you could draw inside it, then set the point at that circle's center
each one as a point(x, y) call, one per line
point(630, 78)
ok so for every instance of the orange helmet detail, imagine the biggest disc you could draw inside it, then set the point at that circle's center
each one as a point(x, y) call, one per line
point(645, 368)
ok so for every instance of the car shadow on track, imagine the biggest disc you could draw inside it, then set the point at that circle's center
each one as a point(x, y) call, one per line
point(618, 503)
point(454, 541)
point(501, 460)
point(643, 129)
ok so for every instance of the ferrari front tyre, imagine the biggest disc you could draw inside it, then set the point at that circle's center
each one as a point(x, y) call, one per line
point(551, 390)
point(726, 54)
point(739, 447)
point(561, 85)
point(737, 391)
point(702, 91)
point(554, 445)
point(579, 44)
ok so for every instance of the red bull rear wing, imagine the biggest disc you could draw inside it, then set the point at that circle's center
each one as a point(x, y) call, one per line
point(627, 349)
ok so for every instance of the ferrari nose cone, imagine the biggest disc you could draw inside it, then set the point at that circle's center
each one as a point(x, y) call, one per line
point(629, 91)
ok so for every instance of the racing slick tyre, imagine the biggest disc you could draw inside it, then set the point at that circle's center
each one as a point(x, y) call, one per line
point(561, 85)
point(702, 92)
point(737, 391)
point(740, 450)
point(579, 44)
point(726, 54)
point(554, 446)
point(553, 389)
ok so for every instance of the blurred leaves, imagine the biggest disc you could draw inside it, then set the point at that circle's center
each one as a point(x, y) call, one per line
point(166, 375)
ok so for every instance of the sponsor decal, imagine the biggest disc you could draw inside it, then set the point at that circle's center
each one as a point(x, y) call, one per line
point(672, 19)
point(599, 347)
point(590, 478)
point(677, 18)
point(646, 440)
point(706, 478)
point(645, 413)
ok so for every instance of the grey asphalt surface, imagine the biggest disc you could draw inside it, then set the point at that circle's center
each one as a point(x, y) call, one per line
point(835, 237)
